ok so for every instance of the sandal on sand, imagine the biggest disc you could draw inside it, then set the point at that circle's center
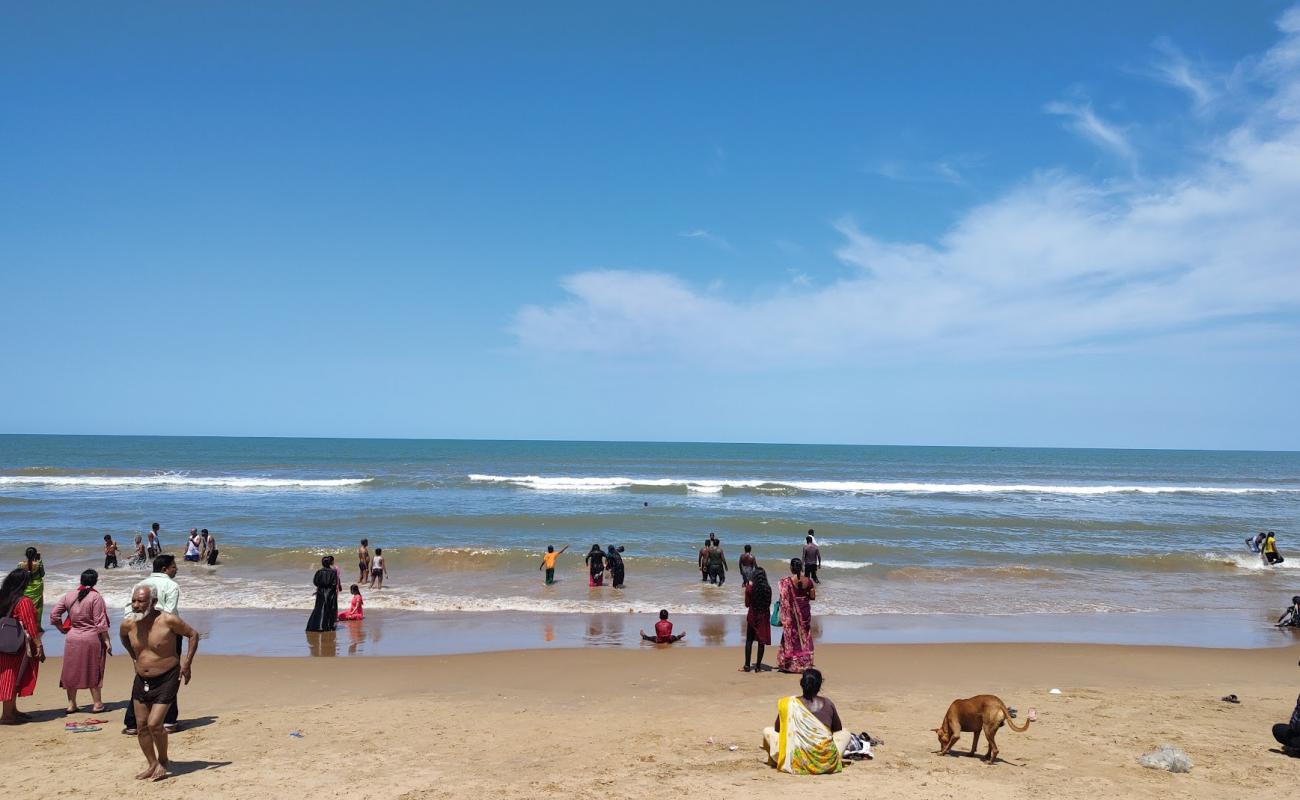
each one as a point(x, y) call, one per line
point(93, 721)
point(85, 729)
point(1232, 698)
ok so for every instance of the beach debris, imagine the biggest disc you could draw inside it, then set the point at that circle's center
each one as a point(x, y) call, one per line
point(1053, 691)
point(296, 734)
point(1232, 698)
point(733, 748)
point(1167, 757)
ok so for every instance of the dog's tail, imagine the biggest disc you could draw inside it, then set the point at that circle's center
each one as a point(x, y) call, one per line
point(1006, 711)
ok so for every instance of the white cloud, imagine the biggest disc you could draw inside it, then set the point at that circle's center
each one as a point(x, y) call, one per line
point(1085, 122)
point(1056, 264)
point(707, 236)
point(1173, 68)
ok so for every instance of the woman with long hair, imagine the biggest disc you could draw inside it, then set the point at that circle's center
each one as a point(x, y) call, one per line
point(758, 619)
point(808, 736)
point(88, 645)
point(18, 670)
point(796, 593)
point(36, 583)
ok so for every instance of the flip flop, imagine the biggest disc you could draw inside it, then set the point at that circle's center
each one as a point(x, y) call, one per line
point(93, 721)
point(91, 729)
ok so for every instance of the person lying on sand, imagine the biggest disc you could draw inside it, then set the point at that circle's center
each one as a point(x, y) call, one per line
point(663, 631)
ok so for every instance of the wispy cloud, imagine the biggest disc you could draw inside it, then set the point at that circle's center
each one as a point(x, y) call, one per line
point(949, 171)
point(707, 236)
point(1057, 264)
point(1173, 68)
point(1085, 122)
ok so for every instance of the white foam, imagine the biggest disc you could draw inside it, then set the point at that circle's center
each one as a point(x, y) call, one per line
point(845, 564)
point(712, 486)
point(171, 479)
point(1248, 561)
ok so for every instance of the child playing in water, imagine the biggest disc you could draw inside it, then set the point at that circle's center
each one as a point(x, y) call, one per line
point(356, 610)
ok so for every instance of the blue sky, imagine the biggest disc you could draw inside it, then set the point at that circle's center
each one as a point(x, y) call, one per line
point(1009, 224)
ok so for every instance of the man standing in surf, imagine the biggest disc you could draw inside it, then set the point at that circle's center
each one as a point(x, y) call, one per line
point(363, 561)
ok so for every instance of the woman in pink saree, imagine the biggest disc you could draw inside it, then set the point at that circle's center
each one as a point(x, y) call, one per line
point(796, 594)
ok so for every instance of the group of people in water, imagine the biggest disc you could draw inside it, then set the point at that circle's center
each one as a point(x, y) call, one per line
point(1264, 544)
point(200, 548)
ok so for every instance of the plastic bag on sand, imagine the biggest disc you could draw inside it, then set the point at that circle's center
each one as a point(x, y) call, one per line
point(1167, 757)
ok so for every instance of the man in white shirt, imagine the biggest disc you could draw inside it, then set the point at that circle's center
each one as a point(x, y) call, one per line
point(169, 600)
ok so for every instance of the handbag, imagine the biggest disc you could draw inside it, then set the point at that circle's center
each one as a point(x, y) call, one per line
point(776, 614)
point(13, 638)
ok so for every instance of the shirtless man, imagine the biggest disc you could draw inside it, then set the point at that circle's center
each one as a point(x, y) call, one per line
point(363, 561)
point(149, 636)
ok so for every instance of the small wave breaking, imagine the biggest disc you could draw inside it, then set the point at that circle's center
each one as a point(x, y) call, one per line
point(717, 486)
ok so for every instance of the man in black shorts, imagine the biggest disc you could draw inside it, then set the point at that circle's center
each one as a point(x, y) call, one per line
point(149, 636)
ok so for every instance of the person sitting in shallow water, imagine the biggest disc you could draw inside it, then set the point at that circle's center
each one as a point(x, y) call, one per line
point(808, 736)
point(663, 631)
point(1291, 617)
point(356, 611)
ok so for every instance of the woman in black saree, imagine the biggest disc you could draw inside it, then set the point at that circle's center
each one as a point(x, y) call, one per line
point(324, 617)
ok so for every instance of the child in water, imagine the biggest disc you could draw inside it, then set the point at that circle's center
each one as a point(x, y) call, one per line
point(356, 610)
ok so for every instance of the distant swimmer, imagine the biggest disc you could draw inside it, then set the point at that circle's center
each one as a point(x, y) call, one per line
point(812, 558)
point(615, 565)
point(110, 552)
point(717, 564)
point(363, 561)
point(747, 565)
point(704, 560)
point(1291, 617)
point(663, 631)
point(154, 548)
point(211, 552)
point(548, 562)
point(140, 556)
point(1255, 544)
point(378, 569)
point(595, 560)
point(193, 547)
point(1269, 550)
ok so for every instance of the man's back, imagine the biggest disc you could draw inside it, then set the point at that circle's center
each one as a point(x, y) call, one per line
point(812, 556)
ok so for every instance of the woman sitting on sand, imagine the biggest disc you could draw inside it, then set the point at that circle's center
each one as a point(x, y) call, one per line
point(355, 611)
point(808, 737)
point(795, 593)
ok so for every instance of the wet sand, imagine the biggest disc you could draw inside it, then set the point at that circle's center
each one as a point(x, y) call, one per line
point(661, 722)
point(388, 632)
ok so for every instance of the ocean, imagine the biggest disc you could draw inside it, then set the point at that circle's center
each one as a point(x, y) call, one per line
point(918, 543)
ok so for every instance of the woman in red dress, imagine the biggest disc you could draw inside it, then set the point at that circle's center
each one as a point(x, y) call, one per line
point(18, 670)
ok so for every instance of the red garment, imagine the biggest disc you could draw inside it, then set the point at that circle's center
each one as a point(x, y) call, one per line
point(663, 631)
point(758, 618)
point(355, 612)
point(11, 683)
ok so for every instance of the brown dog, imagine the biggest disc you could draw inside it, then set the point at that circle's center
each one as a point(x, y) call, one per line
point(983, 712)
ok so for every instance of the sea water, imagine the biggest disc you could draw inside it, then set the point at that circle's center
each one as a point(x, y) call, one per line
point(923, 543)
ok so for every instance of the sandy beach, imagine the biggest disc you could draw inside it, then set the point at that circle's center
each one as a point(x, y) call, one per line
point(663, 722)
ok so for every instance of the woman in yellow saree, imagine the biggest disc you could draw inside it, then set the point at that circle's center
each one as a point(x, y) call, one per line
point(808, 737)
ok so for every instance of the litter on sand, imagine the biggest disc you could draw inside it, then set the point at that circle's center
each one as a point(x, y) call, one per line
point(1167, 757)
point(296, 734)
point(1053, 691)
